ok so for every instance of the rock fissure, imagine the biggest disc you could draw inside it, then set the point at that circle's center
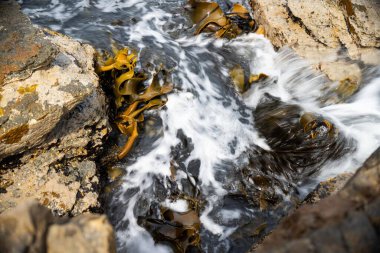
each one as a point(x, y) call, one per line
point(299, 21)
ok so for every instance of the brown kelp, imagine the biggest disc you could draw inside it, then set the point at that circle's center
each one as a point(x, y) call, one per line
point(301, 141)
point(178, 229)
point(132, 98)
point(209, 17)
point(240, 81)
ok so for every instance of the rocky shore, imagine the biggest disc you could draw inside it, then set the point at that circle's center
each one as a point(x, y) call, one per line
point(54, 123)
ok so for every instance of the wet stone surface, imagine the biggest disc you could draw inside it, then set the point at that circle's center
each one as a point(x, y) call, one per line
point(23, 48)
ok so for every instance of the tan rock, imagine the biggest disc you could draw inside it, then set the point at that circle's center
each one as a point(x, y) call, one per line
point(34, 106)
point(327, 33)
point(23, 229)
point(70, 188)
point(86, 233)
point(31, 228)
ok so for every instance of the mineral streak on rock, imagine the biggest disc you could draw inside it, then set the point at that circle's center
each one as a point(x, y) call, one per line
point(14, 135)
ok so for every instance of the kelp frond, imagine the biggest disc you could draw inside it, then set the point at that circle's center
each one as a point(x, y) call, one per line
point(209, 17)
point(130, 93)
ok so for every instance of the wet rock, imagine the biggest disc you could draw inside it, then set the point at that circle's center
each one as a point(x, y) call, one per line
point(32, 228)
point(53, 118)
point(21, 48)
point(327, 188)
point(345, 222)
point(328, 33)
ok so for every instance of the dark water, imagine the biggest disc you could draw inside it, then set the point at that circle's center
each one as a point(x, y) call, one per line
point(213, 164)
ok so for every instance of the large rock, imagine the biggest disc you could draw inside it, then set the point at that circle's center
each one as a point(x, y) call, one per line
point(31, 228)
point(36, 95)
point(330, 34)
point(348, 221)
point(52, 117)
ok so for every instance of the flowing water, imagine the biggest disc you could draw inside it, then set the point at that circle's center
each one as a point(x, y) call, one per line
point(240, 161)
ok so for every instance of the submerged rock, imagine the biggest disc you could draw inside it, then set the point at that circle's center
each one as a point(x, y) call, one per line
point(32, 228)
point(53, 117)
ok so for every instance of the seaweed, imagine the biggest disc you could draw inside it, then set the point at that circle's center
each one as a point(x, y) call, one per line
point(209, 17)
point(240, 81)
point(131, 94)
point(180, 230)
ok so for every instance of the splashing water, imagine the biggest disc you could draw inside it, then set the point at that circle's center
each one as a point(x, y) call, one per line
point(206, 131)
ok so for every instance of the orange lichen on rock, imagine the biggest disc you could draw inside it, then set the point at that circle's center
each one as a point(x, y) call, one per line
point(14, 135)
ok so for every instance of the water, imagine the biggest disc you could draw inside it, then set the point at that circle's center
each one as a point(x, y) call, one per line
point(238, 160)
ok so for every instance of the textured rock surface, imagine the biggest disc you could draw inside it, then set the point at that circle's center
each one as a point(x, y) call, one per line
point(348, 221)
point(21, 50)
point(329, 33)
point(32, 228)
point(327, 188)
point(33, 104)
point(52, 118)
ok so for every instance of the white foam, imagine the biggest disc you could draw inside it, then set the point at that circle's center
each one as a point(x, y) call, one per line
point(179, 205)
point(229, 215)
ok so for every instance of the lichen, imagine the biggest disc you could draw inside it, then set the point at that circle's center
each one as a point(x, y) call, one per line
point(27, 89)
point(14, 135)
point(5, 183)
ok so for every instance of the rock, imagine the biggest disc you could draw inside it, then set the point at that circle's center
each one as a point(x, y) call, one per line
point(32, 228)
point(33, 104)
point(327, 188)
point(24, 228)
point(53, 118)
point(84, 233)
point(330, 34)
point(22, 48)
point(348, 221)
